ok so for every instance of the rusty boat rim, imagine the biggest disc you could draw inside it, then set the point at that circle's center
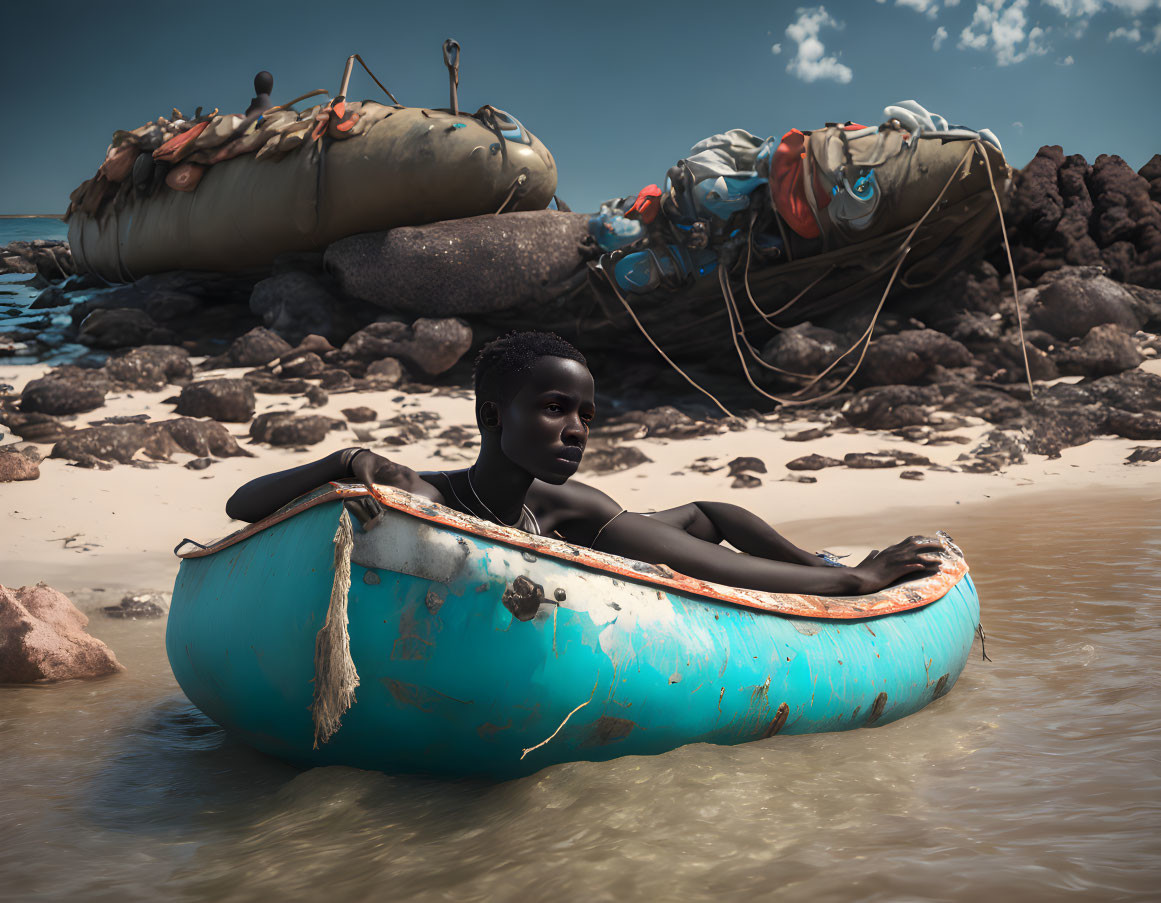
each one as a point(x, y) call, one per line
point(901, 597)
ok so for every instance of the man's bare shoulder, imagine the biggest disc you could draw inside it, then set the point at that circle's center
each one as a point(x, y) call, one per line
point(572, 503)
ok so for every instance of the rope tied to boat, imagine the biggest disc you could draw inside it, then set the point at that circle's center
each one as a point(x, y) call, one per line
point(335, 677)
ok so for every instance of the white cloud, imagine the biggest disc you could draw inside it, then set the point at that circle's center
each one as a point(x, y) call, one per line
point(1132, 35)
point(1067, 61)
point(929, 7)
point(1155, 43)
point(810, 62)
point(938, 38)
point(1071, 9)
point(1018, 125)
point(776, 49)
point(1001, 29)
point(950, 3)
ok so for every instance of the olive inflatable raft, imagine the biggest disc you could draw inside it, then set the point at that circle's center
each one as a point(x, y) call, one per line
point(414, 638)
point(230, 192)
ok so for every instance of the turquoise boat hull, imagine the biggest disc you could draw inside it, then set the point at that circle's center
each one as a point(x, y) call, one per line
point(458, 676)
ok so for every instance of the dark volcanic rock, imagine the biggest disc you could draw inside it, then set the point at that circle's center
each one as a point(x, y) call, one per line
point(1073, 301)
point(998, 449)
point(813, 462)
point(1064, 212)
point(430, 346)
point(122, 327)
point(360, 414)
point(204, 438)
point(874, 460)
point(1124, 213)
point(743, 464)
point(909, 356)
point(1036, 205)
point(256, 348)
point(808, 435)
point(281, 428)
point(803, 349)
point(665, 422)
point(231, 400)
point(138, 605)
point(1073, 229)
point(266, 383)
point(53, 296)
point(1106, 350)
point(977, 401)
point(335, 379)
point(891, 407)
point(1052, 427)
point(745, 481)
point(1144, 454)
point(122, 442)
point(34, 427)
point(150, 367)
point(609, 459)
point(298, 365)
point(42, 637)
point(117, 443)
point(975, 330)
point(298, 304)
point(65, 390)
point(385, 373)
point(18, 464)
point(316, 343)
point(316, 397)
point(50, 258)
point(1134, 390)
point(1134, 426)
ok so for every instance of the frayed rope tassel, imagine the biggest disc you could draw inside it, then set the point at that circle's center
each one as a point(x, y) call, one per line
point(335, 677)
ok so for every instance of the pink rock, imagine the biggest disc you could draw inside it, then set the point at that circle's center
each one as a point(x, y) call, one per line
point(42, 637)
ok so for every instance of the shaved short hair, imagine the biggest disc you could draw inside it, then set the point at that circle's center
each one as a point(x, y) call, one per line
point(511, 355)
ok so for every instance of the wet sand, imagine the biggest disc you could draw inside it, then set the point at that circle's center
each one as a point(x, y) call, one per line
point(1036, 778)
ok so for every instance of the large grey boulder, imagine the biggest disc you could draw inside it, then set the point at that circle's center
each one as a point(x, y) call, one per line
point(474, 265)
point(231, 400)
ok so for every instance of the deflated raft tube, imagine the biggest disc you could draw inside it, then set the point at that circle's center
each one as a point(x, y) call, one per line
point(474, 644)
point(411, 166)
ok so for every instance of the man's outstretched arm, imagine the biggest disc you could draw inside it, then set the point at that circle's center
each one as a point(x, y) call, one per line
point(647, 539)
point(744, 530)
point(264, 495)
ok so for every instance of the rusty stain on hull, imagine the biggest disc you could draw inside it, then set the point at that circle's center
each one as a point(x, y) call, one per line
point(940, 687)
point(488, 731)
point(609, 730)
point(415, 696)
point(523, 597)
point(779, 721)
point(877, 708)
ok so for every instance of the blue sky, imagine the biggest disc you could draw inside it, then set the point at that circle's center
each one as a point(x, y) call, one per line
point(618, 91)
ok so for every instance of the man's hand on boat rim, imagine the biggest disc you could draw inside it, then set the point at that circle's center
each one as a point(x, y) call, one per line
point(914, 557)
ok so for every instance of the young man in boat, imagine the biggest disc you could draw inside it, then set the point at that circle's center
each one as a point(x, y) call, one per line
point(534, 405)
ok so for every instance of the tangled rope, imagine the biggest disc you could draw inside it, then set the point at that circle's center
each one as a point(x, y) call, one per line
point(737, 330)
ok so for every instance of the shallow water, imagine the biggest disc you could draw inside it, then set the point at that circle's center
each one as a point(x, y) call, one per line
point(19, 290)
point(1036, 778)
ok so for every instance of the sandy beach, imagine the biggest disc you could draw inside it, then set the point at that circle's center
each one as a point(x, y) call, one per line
point(79, 528)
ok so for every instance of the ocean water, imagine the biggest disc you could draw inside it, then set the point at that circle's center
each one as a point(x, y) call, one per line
point(1036, 778)
point(31, 228)
point(18, 290)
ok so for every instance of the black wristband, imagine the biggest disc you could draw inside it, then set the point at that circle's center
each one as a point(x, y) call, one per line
point(349, 456)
